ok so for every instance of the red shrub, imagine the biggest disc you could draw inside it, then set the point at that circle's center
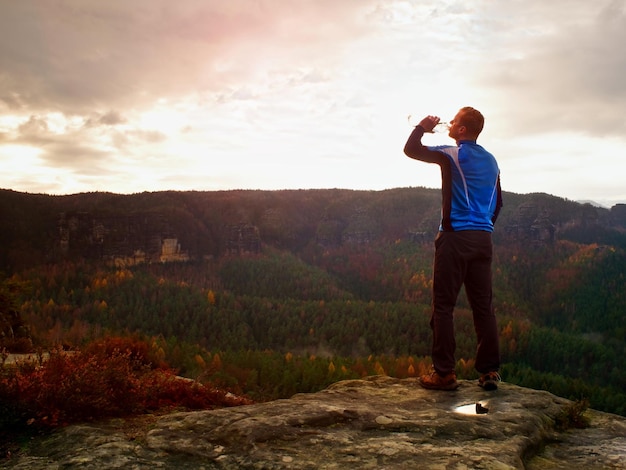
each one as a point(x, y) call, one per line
point(107, 379)
point(140, 353)
point(74, 387)
point(164, 389)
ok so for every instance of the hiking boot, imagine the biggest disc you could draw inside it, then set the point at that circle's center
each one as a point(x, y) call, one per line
point(434, 381)
point(489, 381)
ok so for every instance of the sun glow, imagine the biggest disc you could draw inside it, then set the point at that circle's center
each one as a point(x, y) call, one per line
point(18, 158)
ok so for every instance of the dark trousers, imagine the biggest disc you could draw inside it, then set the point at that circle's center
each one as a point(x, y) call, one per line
point(463, 258)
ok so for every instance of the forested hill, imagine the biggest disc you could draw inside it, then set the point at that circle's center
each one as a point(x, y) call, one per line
point(337, 273)
point(39, 228)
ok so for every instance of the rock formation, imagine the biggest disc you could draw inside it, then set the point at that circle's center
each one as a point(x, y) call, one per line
point(375, 423)
point(15, 334)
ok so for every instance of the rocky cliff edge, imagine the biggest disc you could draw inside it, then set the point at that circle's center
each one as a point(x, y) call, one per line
point(374, 423)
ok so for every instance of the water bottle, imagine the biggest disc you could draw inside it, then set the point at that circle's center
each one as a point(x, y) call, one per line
point(441, 127)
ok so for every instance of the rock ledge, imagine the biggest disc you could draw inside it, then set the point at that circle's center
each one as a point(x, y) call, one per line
point(375, 423)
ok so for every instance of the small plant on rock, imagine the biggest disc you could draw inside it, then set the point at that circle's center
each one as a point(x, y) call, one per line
point(573, 415)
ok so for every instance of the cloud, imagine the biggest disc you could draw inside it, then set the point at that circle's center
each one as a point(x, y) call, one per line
point(35, 126)
point(82, 57)
point(558, 62)
point(110, 118)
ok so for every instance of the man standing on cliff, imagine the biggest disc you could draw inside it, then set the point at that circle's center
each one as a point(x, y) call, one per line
point(471, 201)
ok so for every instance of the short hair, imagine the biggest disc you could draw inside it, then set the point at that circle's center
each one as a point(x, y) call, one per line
point(473, 120)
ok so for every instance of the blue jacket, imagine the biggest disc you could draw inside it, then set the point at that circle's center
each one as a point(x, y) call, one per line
point(471, 194)
point(470, 183)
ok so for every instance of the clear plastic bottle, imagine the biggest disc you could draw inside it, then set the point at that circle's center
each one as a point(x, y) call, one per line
point(441, 127)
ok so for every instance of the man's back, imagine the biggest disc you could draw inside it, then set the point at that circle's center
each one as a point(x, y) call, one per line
point(470, 187)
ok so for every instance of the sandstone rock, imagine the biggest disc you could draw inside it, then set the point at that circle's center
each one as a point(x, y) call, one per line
point(374, 423)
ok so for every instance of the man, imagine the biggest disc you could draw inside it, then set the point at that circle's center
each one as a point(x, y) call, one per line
point(471, 201)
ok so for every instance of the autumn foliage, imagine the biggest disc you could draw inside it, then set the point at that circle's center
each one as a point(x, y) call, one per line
point(115, 377)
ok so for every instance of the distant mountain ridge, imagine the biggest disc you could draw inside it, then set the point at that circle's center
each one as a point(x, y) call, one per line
point(151, 226)
point(592, 203)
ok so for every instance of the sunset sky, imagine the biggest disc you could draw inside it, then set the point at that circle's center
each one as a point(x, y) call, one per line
point(129, 96)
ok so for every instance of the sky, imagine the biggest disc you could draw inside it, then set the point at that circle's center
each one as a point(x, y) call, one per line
point(150, 95)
